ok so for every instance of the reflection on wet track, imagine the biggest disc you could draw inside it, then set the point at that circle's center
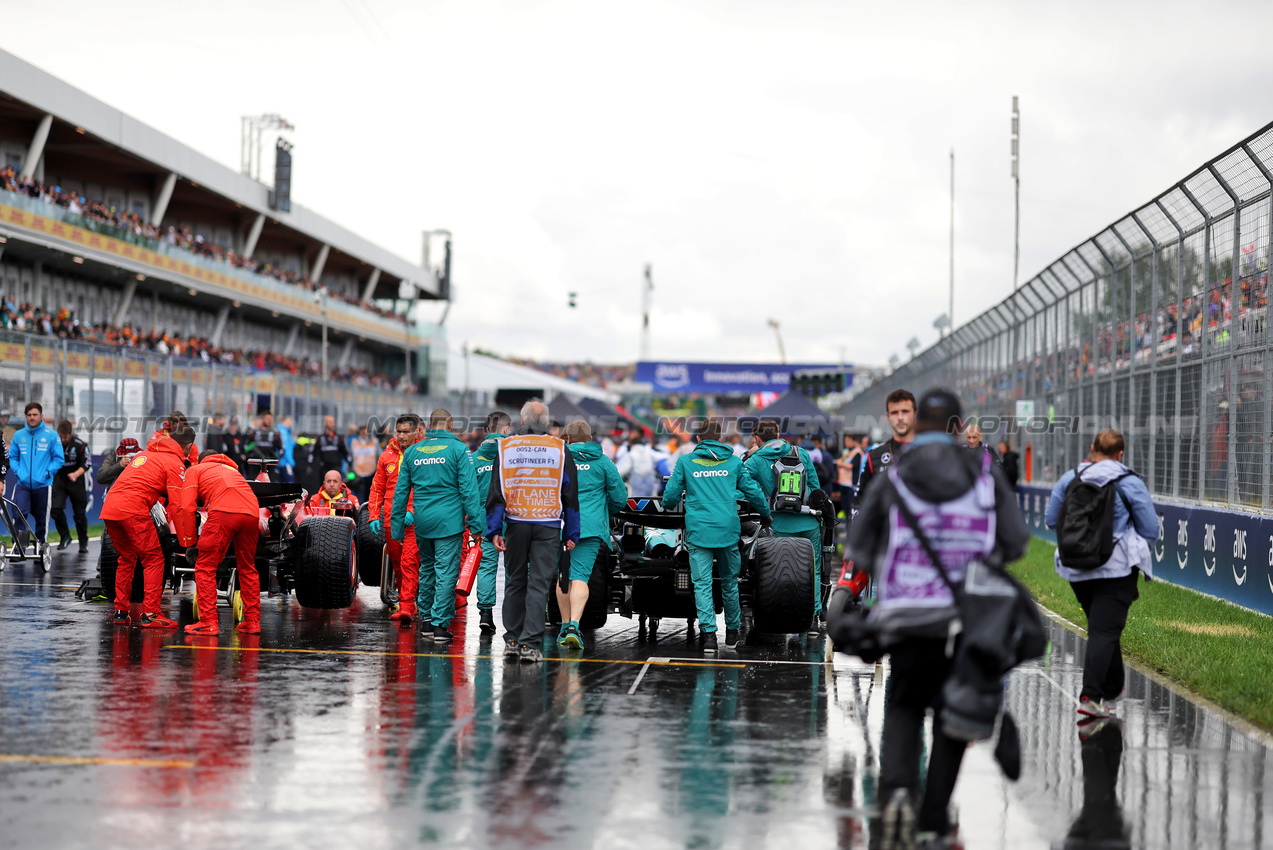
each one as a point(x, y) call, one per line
point(339, 728)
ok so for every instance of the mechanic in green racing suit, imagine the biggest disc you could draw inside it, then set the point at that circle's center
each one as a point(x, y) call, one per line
point(438, 473)
point(712, 479)
point(767, 448)
point(601, 493)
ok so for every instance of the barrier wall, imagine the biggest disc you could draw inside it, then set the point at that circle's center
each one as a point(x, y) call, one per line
point(1223, 553)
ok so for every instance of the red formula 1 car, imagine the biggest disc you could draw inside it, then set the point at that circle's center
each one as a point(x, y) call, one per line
point(299, 550)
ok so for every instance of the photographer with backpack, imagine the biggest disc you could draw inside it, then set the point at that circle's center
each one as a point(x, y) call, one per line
point(1104, 520)
point(969, 516)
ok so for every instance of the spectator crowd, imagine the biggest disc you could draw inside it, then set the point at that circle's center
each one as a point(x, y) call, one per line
point(592, 374)
point(64, 325)
point(134, 228)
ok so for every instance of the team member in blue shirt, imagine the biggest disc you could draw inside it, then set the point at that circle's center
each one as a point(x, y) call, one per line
point(35, 455)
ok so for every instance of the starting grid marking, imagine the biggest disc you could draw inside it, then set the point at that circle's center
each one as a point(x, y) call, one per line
point(652, 661)
point(387, 654)
point(663, 660)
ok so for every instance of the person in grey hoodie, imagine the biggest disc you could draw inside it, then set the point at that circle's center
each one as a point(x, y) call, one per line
point(1107, 592)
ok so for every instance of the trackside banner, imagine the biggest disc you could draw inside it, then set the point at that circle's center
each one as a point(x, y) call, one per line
point(723, 378)
point(1228, 554)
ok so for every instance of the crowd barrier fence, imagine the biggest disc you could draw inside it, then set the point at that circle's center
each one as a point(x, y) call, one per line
point(1158, 326)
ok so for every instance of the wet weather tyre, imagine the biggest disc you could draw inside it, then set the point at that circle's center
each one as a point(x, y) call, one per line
point(108, 564)
point(597, 610)
point(784, 585)
point(326, 569)
point(370, 545)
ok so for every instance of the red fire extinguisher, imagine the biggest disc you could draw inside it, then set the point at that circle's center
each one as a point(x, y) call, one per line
point(468, 566)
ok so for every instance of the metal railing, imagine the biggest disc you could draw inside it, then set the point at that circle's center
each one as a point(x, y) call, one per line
point(111, 392)
point(1158, 325)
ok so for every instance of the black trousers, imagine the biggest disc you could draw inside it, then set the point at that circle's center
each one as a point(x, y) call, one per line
point(917, 670)
point(530, 564)
point(78, 494)
point(1105, 601)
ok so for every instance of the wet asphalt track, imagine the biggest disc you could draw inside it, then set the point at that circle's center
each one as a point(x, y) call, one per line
point(339, 729)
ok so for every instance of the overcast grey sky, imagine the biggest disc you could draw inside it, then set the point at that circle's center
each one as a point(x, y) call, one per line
point(781, 159)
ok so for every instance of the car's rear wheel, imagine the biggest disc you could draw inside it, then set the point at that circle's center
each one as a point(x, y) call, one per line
point(326, 569)
point(108, 565)
point(370, 546)
point(784, 585)
point(596, 612)
point(597, 609)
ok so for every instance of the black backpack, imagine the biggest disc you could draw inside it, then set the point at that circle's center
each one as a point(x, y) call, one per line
point(1085, 524)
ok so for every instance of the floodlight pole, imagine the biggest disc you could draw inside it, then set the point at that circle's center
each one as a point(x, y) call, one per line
point(250, 135)
point(1016, 181)
point(950, 311)
point(782, 352)
point(647, 294)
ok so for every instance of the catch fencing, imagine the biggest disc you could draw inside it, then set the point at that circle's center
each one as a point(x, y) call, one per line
point(1158, 326)
point(111, 393)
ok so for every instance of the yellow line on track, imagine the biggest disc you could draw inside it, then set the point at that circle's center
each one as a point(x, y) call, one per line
point(73, 760)
point(671, 662)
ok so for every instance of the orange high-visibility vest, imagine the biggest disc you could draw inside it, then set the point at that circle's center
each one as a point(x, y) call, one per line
point(531, 467)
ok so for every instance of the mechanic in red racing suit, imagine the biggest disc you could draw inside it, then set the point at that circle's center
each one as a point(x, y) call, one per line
point(408, 431)
point(328, 500)
point(154, 474)
point(165, 429)
point(234, 517)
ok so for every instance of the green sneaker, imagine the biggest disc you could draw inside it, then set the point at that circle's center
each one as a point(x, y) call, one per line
point(572, 639)
point(561, 635)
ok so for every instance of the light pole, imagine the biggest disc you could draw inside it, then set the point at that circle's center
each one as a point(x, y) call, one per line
point(782, 352)
point(442, 277)
point(251, 130)
point(950, 311)
point(1016, 180)
point(647, 293)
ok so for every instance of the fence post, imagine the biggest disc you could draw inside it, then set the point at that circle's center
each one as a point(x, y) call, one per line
point(1204, 343)
point(1180, 328)
point(59, 380)
point(1152, 324)
point(1235, 260)
point(118, 382)
point(92, 392)
point(1266, 425)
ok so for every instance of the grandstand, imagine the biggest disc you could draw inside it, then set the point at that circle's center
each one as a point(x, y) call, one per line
point(112, 232)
